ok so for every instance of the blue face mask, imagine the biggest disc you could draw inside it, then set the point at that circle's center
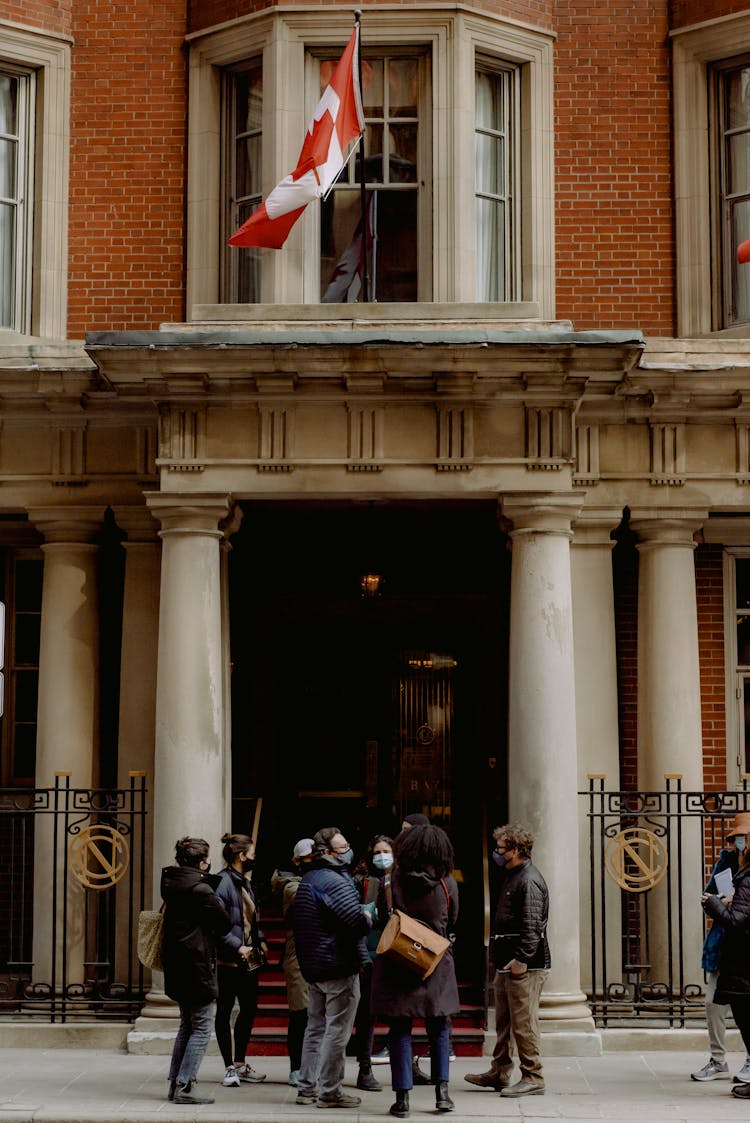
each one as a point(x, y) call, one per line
point(499, 859)
point(382, 861)
point(346, 857)
point(740, 842)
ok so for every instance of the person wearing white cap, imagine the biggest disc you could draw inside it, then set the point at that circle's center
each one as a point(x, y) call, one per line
point(285, 883)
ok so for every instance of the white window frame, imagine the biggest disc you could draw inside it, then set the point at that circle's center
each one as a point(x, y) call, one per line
point(695, 49)
point(453, 35)
point(510, 76)
point(47, 58)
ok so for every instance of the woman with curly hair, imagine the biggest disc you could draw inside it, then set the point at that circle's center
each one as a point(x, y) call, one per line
point(423, 887)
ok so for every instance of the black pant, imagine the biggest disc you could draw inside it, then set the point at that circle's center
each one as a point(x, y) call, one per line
point(741, 1013)
point(295, 1036)
point(240, 985)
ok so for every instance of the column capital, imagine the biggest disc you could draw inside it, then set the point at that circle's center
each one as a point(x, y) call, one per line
point(667, 526)
point(190, 514)
point(594, 526)
point(81, 525)
point(542, 513)
point(138, 523)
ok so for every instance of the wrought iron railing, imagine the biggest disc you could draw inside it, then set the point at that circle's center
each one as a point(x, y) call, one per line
point(74, 873)
point(650, 855)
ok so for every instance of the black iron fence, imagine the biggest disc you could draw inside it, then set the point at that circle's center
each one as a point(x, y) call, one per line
point(650, 855)
point(73, 885)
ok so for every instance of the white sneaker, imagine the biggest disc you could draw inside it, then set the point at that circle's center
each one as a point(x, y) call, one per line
point(743, 1076)
point(231, 1078)
point(247, 1073)
point(712, 1070)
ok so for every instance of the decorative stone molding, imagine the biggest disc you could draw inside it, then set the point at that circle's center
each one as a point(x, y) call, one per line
point(189, 514)
point(455, 438)
point(69, 455)
point(742, 429)
point(667, 454)
point(549, 437)
point(587, 472)
point(182, 436)
point(365, 438)
point(145, 450)
point(275, 439)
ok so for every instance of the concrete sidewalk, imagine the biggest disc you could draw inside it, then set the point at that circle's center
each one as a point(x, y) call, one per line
point(90, 1086)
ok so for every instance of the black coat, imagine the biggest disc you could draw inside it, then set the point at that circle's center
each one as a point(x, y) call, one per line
point(329, 925)
point(194, 919)
point(521, 914)
point(397, 992)
point(734, 967)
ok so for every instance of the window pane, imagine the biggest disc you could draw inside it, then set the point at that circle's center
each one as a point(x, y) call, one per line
point(402, 87)
point(7, 263)
point(249, 101)
point(8, 166)
point(739, 164)
point(8, 104)
point(746, 700)
point(738, 98)
point(402, 159)
point(248, 167)
point(24, 752)
point(743, 641)
point(392, 246)
point(373, 156)
point(489, 100)
point(29, 585)
point(26, 695)
point(741, 277)
point(27, 639)
point(490, 164)
point(490, 250)
point(372, 87)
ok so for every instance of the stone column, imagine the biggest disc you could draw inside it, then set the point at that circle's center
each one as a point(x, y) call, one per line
point(140, 633)
point(189, 777)
point(67, 714)
point(596, 723)
point(669, 706)
point(542, 759)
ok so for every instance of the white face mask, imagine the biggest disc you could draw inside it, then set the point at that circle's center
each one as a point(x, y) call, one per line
point(740, 843)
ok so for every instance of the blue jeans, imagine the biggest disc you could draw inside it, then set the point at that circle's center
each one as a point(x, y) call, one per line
point(330, 1017)
point(399, 1046)
point(191, 1042)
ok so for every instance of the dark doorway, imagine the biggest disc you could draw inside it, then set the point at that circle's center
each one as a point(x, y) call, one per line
point(320, 668)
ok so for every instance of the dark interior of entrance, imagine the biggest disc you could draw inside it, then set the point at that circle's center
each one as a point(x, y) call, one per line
point(369, 680)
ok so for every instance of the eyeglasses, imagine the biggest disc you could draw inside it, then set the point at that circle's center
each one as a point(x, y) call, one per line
point(502, 849)
point(340, 849)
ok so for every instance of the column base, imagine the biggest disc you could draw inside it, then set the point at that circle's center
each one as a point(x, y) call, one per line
point(567, 1027)
point(155, 1029)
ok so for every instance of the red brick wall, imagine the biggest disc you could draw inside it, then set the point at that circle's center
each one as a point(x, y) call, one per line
point(687, 12)
point(614, 237)
point(710, 595)
point(51, 15)
point(127, 166)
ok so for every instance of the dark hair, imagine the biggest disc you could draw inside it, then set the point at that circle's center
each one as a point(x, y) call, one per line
point(370, 850)
point(417, 819)
point(190, 851)
point(515, 837)
point(322, 838)
point(424, 847)
point(234, 844)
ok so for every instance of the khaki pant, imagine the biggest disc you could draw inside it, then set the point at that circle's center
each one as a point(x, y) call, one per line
point(517, 1012)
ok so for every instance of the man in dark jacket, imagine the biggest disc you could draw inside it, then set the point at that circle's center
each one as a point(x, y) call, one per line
point(194, 919)
point(522, 960)
point(329, 929)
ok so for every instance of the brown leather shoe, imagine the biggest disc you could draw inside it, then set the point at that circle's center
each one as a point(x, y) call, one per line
point(486, 1080)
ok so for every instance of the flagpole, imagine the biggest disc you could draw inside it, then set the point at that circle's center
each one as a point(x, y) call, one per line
point(362, 177)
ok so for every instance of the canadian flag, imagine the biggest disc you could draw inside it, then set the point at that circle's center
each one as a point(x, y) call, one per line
point(337, 121)
point(743, 252)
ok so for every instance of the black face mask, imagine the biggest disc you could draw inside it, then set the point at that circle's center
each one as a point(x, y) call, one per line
point(248, 864)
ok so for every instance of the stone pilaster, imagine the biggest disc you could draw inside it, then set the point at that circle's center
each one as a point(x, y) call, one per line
point(190, 751)
point(542, 758)
point(67, 709)
point(596, 717)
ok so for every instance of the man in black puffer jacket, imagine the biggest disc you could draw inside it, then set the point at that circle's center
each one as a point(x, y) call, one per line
point(329, 930)
point(522, 960)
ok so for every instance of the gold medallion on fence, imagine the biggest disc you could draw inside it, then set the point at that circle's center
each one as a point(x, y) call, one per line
point(636, 859)
point(98, 857)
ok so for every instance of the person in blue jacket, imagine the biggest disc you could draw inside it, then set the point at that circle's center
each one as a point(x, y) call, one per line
point(241, 952)
point(330, 925)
